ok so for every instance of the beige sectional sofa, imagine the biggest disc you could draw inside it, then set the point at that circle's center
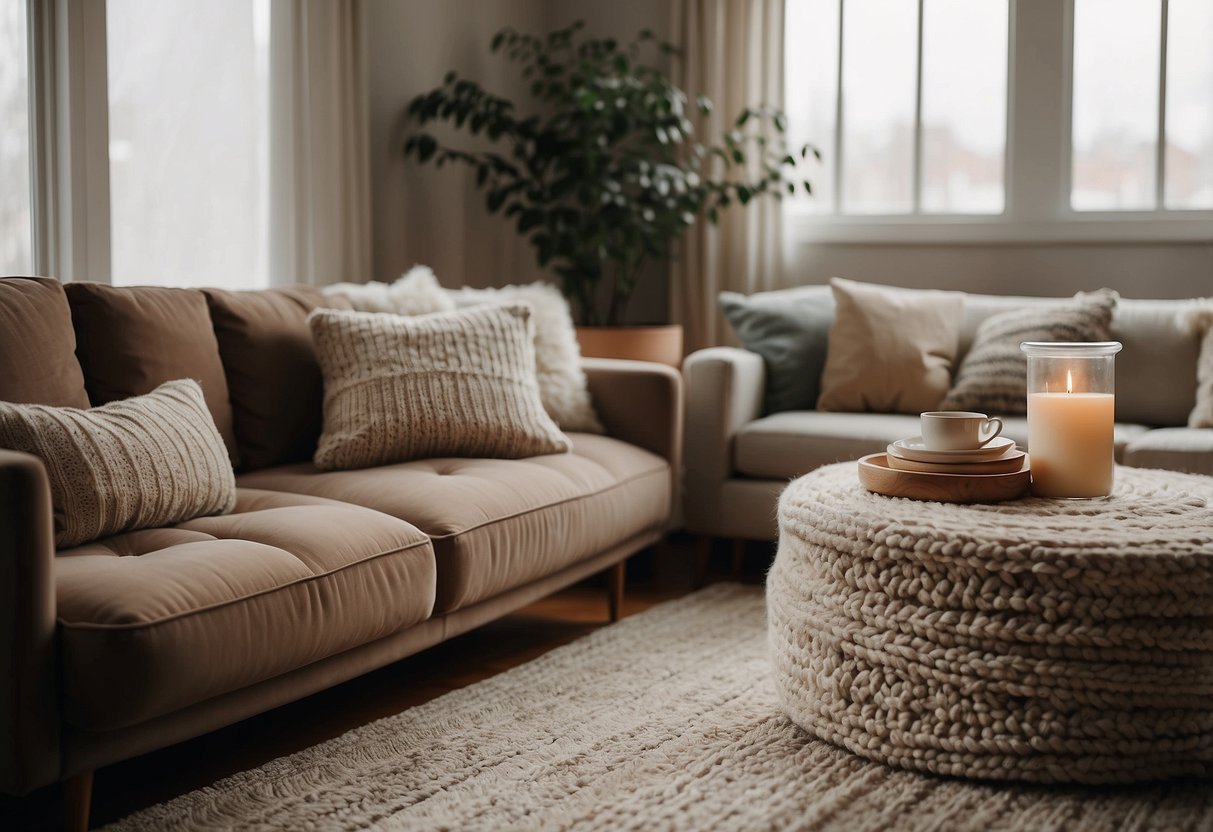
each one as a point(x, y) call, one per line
point(143, 639)
point(738, 459)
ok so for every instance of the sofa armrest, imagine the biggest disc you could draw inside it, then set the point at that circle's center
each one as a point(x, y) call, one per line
point(640, 402)
point(724, 392)
point(29, 700)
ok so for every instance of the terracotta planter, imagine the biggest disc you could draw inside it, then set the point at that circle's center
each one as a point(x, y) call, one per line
point(662, 344)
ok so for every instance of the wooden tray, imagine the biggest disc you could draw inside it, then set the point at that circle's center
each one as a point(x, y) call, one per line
point(875, 475)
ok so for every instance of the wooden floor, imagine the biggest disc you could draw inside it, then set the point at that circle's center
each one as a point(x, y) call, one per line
point(498, 646)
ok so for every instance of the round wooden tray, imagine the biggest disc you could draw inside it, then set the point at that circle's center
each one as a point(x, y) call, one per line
point(875, 475)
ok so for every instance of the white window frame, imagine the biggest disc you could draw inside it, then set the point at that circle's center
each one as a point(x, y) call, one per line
point(1037, 163)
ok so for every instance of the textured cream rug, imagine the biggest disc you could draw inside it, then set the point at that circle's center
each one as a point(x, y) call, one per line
point(667, 720)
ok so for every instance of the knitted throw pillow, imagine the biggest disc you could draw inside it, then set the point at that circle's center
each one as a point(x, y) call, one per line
point(151, 460)
point(1199, 322)
point(449, 384)
point(993, 377)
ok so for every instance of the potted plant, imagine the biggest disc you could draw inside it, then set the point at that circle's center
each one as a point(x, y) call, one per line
point(605, 173)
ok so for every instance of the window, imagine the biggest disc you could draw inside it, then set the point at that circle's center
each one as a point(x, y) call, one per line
point(907, 101)
point(965, 121)
point(1142, 135)
point(15, 229)
point(188, 128)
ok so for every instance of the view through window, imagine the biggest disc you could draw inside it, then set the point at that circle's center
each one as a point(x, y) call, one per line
point(15, 230)
point(188, 149)
point(900, 131)
point(1128, 94)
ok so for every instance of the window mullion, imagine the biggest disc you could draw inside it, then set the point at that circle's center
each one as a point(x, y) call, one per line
point(916, 180)
point(1160, 147)
point(838, 149)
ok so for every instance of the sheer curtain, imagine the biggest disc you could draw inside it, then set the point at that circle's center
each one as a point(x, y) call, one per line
point(320, 204)
point(733, 53)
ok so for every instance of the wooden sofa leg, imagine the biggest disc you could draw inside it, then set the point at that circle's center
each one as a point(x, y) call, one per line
point(703, 560)
point(77, 796)
point(616, 576)
point(738, 557)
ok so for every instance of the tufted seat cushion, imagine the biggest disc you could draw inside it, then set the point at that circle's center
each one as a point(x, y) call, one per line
point(155, 620)
point(497, 524)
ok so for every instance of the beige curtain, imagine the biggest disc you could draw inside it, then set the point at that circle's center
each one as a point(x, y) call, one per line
point(320, 217)
point(733, 53)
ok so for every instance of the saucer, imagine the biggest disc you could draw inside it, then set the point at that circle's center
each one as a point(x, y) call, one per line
point(918, 451)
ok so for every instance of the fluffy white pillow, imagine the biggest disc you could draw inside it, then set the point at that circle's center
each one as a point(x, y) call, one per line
point(416, 293)
point(562, 383)
point(1199, 322)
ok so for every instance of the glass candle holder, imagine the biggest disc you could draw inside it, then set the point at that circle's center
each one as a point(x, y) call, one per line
point(1071, 412)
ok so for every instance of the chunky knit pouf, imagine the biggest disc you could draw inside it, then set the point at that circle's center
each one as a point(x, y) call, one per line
point(1043, 640)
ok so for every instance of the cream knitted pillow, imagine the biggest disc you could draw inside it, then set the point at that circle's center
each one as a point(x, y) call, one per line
point(449, 384)
point(147, 461)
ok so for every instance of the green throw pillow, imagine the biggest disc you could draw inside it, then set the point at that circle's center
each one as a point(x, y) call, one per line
point(790, 329)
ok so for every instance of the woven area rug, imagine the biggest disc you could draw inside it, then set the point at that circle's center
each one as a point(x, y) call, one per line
point(666, 720)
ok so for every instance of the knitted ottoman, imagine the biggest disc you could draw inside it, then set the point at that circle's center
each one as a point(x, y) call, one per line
point(1042, 640)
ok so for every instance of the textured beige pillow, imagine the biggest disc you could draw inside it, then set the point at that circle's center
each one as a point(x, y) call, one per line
point(891, 350)
point(1199, 322)
point(993, 377)
point(449, 384)
point(151, 460)
point(562, 383)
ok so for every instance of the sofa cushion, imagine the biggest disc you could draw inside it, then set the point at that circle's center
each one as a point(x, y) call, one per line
point(134, 464)
point(790, 329)
point(786, 445)
point(398, 388)
point(1156, 371)
point(37, 345)
point(272, 376)
point(156, 620)
point(497, 524)
point(1176, 449)
point(993, 376)
point(891, 350)
point(131, 340)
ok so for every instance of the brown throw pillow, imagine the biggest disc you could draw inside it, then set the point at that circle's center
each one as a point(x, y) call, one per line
point(993, 377)
point(1199, 322)
point(130, 340)
point(273, 378)
point(37, 345)
point(891, 350)
point(449, 384)
point(134, 464)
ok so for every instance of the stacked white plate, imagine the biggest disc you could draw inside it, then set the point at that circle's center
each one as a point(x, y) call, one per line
point(1000, 456)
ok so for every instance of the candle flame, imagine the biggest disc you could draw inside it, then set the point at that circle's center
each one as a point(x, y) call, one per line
point(1069, 382)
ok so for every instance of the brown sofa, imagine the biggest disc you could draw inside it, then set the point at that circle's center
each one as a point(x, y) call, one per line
point(144, 639)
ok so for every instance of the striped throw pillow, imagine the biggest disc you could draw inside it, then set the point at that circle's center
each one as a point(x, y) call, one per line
point(147, 461)
point(993, 377)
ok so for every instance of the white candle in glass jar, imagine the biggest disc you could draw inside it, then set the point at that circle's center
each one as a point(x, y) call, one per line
point(1070, 442)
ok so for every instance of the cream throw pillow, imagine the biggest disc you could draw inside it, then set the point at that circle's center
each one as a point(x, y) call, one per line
point(450, 384)
point(1199, 322)
point(147, 461)
point(891, 350)
point(562, 382)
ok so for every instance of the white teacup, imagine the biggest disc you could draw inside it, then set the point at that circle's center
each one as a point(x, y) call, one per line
point(958, 430)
